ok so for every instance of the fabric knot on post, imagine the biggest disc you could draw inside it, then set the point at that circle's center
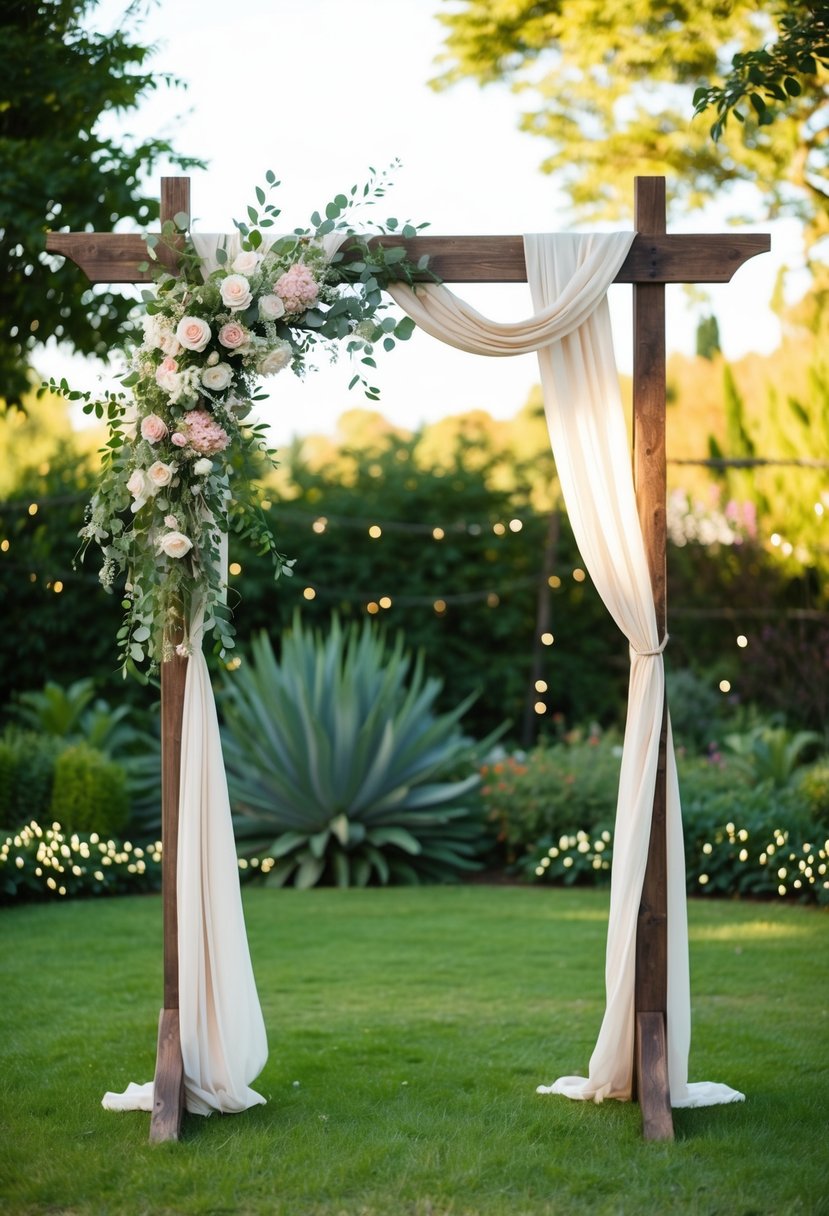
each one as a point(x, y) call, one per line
point(648, 654)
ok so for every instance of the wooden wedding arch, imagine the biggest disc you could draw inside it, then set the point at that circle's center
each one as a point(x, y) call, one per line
point(656, 257)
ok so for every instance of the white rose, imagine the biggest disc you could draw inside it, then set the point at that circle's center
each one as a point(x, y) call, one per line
point(202, 467)
point(246, 261)
point(193, 333)
point(170, 382)
point(137, 484)
point(235, 292)
point(218, 377)
point(276, 359)
point(168, 342)
point(152, 331)
point(271, 308)
point(175, 544)
point(160, 475)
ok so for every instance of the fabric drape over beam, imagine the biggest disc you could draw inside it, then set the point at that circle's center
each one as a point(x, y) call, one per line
point(570, 330)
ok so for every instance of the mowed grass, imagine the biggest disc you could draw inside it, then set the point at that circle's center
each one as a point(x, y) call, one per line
point(408, 1030)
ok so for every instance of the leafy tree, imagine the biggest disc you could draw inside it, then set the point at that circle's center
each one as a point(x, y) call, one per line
point(771, 75)
point(60, 171)
point(614, 86)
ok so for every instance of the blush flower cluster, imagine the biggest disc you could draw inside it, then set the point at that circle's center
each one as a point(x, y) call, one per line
point(211, 332)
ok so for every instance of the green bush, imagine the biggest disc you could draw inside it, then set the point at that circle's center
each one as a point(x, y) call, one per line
point(771, 753)
point(757, 841)
point(58, 716)
point(696, 709)
point(553, 811)
point(337, 763)
point(89, 792)
point(27, 770)
point(49, 863)
point(813, 788)
point(550, 791)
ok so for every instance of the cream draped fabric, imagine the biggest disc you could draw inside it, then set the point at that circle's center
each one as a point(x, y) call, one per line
point(569, 276)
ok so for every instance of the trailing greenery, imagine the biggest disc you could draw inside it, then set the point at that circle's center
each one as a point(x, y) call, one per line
point(338, 764)
point(51, 863)
point(408, 1030)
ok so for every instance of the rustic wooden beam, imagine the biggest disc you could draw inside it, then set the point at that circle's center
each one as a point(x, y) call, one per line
point(168, 1085)
point(653, 257)
point(650, 477)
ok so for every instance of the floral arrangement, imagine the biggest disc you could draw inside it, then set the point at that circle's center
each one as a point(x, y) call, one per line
point(183, 460)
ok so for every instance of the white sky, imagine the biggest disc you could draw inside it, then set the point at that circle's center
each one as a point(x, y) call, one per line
point(318, 90)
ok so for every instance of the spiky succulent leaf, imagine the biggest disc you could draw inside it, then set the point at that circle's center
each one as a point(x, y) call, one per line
point(337, 760)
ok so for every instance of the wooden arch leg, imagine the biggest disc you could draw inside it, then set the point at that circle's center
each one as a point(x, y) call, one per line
point(168, 1087)
point(650, 1061)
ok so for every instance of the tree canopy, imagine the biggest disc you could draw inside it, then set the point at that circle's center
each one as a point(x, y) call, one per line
point(613, 84)
point(59, 171)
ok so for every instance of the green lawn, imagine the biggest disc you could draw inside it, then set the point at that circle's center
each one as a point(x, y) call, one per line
point(408, 1029)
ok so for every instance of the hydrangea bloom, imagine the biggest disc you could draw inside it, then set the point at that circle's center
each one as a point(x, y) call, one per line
point(203, 432)
point(297, 288)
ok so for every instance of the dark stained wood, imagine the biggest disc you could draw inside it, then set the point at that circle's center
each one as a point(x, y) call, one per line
point(649, 462)
point(168, 1086)
point(672, 258)
point(173, 677)
point(651, 1061)
point(168, 1103)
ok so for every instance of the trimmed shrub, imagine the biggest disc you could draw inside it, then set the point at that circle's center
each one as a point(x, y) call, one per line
point(89, 792)
point(27, 771)
point(813, 788)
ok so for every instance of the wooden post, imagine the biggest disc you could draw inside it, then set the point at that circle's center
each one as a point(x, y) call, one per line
point(650, 1064)
point(168, 1085)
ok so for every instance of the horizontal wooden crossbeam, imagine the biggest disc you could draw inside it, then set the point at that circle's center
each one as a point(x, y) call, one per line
point(660, 258)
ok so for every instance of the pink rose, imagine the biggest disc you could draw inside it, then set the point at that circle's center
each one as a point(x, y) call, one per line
point(235, 292)
point(233, 335)
point(160, 474)
point(171, 521)
point(193, 333)
point(178, 439)
point(175, 544)
point(153, 428)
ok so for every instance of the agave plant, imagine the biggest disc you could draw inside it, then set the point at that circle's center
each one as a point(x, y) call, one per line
point(338, 763)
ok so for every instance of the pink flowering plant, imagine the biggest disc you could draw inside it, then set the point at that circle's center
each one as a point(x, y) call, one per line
point(183, 461)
